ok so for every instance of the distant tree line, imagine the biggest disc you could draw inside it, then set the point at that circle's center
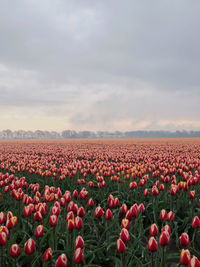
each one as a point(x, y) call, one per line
point(71, 134)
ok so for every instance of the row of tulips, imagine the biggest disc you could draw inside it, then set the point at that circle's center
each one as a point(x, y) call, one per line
point(106, 196)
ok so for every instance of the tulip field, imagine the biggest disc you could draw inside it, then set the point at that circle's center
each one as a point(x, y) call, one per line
point(93, 203)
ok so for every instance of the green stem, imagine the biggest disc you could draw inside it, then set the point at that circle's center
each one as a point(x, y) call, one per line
point(123, 260)
point(54, 238)
point(152, 260)
point(163, 256)
point(193, 238)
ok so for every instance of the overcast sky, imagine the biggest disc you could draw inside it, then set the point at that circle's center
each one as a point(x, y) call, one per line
point(99, 65)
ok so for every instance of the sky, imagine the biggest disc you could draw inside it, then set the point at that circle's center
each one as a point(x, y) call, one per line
point(100, 65)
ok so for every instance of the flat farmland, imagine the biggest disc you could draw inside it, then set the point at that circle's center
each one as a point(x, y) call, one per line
point(116, 202)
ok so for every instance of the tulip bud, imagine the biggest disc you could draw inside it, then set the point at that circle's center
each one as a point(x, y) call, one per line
point(134, 210)
point(184, 240)
point(2, 217)
point(192, 194)
point(145, 192)
point(194, 262)
point(155, 191)
point(195, 222)
point(78, 256)
point(61, 261)
point(15, 251)
point(170, 216)
point(125, 224)
point(163, 215)
point(124, 235)
point(166, 228)
point(153, 230)
point(90, 203)
point(53, 220)
point(38, 217)
point(47, 255)
point(29, 246)
point(152, 245)
point(79, 243)
point(81, 212)
point(108, 214)
point(4, 229)
point(98, 212)
point(121, 247)
point(70, 225)
point(164, 239)
point(141, 208)
point(123, 209)
point(27, 211)
point(3, 238)
point(39, 231)
point(78, 223)
point(75, 194)
point(116, 202)
point(185, 257)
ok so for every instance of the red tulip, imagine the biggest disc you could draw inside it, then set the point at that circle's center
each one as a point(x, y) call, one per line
point(155, 191)
point(125, 224)
point(3, 238)
point(166, 228)
point(124, 235)
point(39, 231)
point(163, 215)
point(146, 192)
point(70, 206)
point(116, 202)
point(81, 212)
point(79, 243)
point(53, 220)
point(153, 230)
point(78, 223)
point(192, 194)
point(152, 245)
point(184, 240)
point(123, 209)
point(27, 211)
point(170, 216)
point(194, 262)
point(70, 216)
point(47, 255)
point(90, 203)
point(29, 246)
point(164, 239)
point(70, 225)
point(4, 229)
point(121, 247)
point(141, 208)
point(185, 257)
point(61, 261)
point(2, 217)
point(162, 187)
point(134, 210)
point(62, 201)
point(38, 217)
point(108, 214)
point(15, 251)
point(129, 215)
point(78, 256)
point(98, 212)
point(75, 194)
point(55, 210)
point(195, 222)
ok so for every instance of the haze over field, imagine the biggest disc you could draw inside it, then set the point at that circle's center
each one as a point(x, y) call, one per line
point(99, 65)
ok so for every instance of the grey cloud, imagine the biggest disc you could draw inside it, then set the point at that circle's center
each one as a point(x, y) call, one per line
point(99, 61)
